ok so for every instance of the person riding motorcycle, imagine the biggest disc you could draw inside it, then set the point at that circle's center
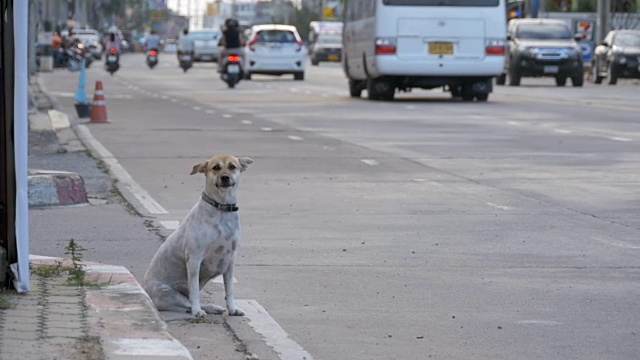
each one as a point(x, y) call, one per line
point(153, 41)
point(231, 41)
point(113, 42)
point(185, 44)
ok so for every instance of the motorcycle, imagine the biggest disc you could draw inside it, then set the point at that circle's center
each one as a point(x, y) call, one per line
point(152, 58)
point(232, 71)
point(186, 61)
point(112, 62)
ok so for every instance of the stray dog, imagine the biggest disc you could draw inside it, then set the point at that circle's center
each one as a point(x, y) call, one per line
point(204, 245)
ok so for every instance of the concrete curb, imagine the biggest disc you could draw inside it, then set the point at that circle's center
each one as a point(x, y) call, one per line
point(122, 315)
point(55, 188)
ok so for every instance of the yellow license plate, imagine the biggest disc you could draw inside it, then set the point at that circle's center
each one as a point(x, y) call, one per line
point(440, 48)
point(334, 57)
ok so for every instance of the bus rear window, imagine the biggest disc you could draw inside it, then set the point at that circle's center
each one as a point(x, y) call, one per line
point(441, 2)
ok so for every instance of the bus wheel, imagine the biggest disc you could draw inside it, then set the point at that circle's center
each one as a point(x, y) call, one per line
point(355, 90)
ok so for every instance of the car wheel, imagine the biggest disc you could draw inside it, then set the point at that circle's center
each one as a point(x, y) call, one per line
point(355, 90)
point(482, 97)
point(247, 76)
point(298, 76)
point(612, 74)
point(561, 80)
point(514, 78)
point(315, 62)
point(577, 81)
point(501, 79)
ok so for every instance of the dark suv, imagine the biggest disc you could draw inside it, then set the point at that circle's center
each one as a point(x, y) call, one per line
point(542, 47)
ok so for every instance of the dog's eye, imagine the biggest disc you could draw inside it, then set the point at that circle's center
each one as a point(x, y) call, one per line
point(232, 167)
point(217, 168)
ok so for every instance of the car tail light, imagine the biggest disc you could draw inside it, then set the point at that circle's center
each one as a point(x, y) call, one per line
point(234, 58)
point(495, 47)
point(252, 43)
point(386, 46)
point(300, 44)
point(113, 51)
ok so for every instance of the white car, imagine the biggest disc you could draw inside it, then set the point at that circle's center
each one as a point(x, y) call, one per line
point(205, 44)
point(91, 40)
point(275, 50)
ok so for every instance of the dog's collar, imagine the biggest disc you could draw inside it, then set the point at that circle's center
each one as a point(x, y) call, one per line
point(217, 205)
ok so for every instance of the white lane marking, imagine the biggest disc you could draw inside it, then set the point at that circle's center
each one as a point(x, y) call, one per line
point(197, 108)
point(562, 131)
point(616, 138)
point(539, 322)
point(370, 162)
point(120, 173)
point(308, 92)
point(220, 280)
point(274, 336)
point(170, 224)
point(501, 207)
point(514, 123)
point(210, 112)
point(616, 243)
point(410, 107)
point(295, 138)
point(227, 116)
point(435, 183)
point(267, 129)
point(70, 95)
point(294, 90)
point(174, 100)
point(165, 97)
point(325, 95)
point(247, 122)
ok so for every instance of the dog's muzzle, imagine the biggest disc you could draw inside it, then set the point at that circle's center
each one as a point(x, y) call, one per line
point(225, 181)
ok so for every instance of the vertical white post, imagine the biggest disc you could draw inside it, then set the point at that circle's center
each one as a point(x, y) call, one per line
point(20, 23)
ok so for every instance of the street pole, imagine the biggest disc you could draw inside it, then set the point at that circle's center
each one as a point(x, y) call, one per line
point(602, 23)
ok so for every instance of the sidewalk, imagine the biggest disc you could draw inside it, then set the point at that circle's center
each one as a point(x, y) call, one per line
point(111, 317)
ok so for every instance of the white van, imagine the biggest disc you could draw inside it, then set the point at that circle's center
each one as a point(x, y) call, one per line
point(405, 44)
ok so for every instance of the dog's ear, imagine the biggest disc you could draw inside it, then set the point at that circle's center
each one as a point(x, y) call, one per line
point(202, 167)
point(244, 162)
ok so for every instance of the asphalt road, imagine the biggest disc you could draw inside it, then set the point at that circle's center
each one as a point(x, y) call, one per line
point(414, 229)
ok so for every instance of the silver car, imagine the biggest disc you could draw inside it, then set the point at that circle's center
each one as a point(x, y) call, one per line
point(205, 44)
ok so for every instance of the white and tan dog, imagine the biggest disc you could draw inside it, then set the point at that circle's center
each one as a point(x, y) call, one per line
point(204, 245)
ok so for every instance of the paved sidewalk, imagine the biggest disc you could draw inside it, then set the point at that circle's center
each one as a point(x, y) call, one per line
point(111, 317)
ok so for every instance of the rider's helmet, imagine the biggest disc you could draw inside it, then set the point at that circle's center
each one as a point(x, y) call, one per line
point(185, 31)
point(231, 23)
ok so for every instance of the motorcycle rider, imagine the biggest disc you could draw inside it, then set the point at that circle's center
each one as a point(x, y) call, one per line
point(153, 41)
point(113, 42)
point(185, 44)
point(231, 41)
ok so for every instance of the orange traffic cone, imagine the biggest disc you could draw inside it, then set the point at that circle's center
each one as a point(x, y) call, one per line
point(99, 112)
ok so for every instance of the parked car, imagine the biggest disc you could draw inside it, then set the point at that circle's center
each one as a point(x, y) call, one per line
point(205, 44)
point(275, 50)
point(617, 57)
point(542, 47)
point(91, 40)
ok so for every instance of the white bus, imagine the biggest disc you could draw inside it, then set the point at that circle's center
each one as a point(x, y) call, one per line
point(391, 45)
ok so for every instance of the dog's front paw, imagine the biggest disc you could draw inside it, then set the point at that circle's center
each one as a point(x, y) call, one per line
point(236, 312)
point(199, 314)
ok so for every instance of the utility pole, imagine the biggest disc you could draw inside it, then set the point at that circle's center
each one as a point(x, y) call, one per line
point(602, 23)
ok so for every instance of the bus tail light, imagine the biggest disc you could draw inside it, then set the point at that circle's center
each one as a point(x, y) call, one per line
point(386, 46)
point(495, 47)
